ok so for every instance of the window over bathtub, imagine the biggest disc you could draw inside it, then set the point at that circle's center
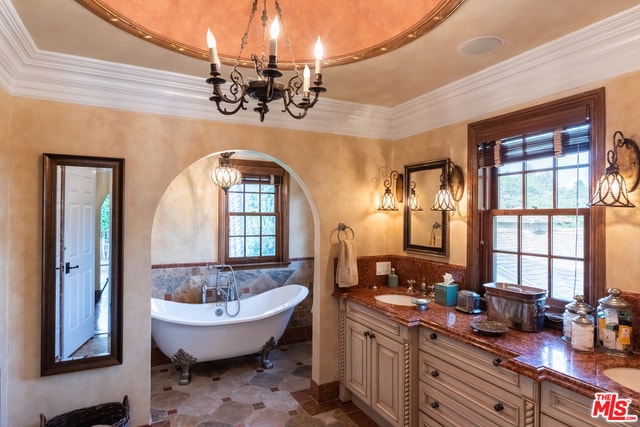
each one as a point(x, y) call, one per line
point(530, 174)
point(254, 217)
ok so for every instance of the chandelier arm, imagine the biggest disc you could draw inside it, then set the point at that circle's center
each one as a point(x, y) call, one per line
point(305, 103)
point(298, 114)
point(227, 112)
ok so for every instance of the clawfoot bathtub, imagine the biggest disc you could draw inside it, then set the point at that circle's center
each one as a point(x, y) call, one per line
point(202, 332)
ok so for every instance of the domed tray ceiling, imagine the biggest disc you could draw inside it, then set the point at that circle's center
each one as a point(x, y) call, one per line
point(350, 31)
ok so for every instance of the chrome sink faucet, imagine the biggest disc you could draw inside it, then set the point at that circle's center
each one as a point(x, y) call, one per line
point(411, 289)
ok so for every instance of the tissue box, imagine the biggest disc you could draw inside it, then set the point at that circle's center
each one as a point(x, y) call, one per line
point(446, 294)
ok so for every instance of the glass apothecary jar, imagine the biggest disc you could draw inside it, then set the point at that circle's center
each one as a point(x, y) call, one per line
point(570, 311)
point(582, 332)
point(615, 332)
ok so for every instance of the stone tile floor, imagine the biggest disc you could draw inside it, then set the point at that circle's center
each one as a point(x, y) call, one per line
point(238, 393)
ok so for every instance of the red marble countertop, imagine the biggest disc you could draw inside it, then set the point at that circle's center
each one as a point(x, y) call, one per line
point(543, 356)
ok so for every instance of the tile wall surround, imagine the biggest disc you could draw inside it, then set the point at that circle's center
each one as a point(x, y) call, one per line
point(183, 283)
point(407, 268)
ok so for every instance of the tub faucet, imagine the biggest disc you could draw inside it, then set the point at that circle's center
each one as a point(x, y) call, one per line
point(226, 290)
point(225, 293)
point(205, 287)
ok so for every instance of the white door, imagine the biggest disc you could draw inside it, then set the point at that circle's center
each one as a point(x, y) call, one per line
point(78, 263)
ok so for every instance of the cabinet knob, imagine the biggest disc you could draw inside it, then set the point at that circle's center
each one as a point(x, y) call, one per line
point(435, 405)
point(497, 361)
point(433, 336)
point(372, 335)
point(435, 373)
point(498, 407)
point(366, 334)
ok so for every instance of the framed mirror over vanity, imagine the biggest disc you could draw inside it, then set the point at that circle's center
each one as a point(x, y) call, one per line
point(425, 230)
point(82, 218)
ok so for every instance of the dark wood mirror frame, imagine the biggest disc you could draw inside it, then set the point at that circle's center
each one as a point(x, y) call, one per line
point(50, 365)
point(434, 169)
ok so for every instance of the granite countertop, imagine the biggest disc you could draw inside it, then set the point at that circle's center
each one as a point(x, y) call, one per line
point(543, 356)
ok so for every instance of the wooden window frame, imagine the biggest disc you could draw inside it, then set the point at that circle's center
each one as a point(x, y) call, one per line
point(545, 116)
point(252, 167)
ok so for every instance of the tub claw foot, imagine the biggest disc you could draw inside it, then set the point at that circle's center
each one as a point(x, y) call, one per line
point(266, 348)
point(184, 361)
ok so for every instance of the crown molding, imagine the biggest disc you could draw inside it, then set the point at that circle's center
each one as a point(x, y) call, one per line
point(603, 50)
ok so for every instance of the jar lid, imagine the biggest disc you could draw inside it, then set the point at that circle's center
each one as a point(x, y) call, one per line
point(579, 305)
point(614, 300)
point(582, 319)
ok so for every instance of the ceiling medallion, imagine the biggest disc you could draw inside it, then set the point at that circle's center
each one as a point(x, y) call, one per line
point(354, 31)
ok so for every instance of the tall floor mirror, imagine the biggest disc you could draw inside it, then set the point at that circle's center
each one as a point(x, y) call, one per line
point(82, 213)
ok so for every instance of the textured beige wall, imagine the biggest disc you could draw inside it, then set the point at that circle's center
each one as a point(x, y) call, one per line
point(5, 114)
point(157, 149)
point(185, 227)
point(337, 174)
point(623, 225)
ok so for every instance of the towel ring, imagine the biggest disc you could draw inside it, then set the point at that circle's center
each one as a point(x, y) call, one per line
point(344, 227)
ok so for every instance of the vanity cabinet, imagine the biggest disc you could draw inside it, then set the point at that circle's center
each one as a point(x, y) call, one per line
point(560, 407)
point(378, 364)
point(463, 385)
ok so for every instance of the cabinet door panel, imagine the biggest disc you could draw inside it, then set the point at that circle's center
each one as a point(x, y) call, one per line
point(356, 363)
point(386, 376)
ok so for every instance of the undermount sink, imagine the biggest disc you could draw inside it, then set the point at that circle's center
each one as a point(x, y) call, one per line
point(628, 377)
point(396, 299)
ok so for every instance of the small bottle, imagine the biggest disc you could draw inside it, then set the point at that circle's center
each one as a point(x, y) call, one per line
point(392, 279)
point(570, 311)
point(582, 332)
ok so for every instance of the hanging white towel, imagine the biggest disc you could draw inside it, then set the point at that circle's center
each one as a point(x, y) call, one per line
point(347, 271)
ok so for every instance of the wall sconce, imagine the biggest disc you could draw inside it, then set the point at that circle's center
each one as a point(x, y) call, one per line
point(225, 175)
point(451, 188)
point(612, 188)
point(414, 203)
point(388, 198)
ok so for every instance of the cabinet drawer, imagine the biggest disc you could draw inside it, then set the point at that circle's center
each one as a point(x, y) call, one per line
point(480, 362)
point(438, 408)
point(376, 321)
point(426, 421)
point(478, 396)
point(567, 406)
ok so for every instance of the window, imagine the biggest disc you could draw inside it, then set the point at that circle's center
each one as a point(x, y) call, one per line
point(530, 173)
point(254, 217)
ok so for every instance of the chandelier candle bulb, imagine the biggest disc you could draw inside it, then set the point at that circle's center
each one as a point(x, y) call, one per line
point(319, 51)
point(307, 77)
point(274, 32)
point(213, 48)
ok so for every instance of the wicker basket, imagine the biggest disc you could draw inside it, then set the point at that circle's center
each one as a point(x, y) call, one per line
point(113, 414)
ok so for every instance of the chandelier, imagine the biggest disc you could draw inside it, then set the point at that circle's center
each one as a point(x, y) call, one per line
point(225, 175)
point(266, 88)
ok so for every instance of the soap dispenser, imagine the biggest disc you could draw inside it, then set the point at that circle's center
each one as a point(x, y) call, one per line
point(392, 279)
